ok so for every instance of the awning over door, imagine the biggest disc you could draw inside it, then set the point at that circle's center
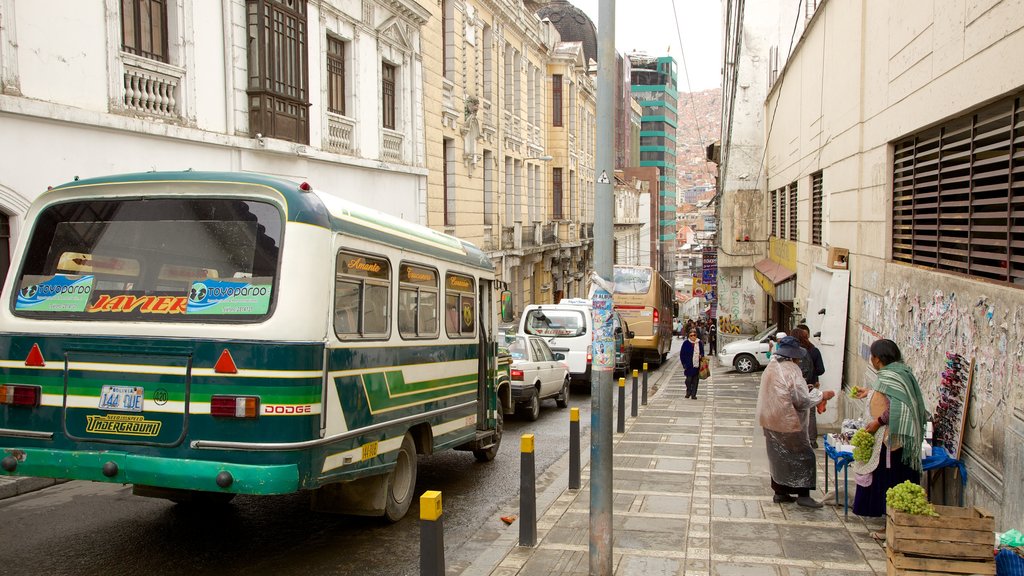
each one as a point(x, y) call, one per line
point(776, 280)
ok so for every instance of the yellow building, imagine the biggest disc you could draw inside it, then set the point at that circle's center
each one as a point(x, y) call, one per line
point(488, 113)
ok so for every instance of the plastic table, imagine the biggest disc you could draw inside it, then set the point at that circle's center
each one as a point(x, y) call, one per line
point(841, 460)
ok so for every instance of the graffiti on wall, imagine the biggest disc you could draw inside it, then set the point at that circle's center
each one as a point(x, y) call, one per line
point(737, 302)
point(928, 324)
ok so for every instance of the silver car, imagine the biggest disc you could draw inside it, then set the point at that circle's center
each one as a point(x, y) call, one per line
point(537, 374)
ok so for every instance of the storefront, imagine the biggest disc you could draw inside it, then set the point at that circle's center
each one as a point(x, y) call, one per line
point(777, 277)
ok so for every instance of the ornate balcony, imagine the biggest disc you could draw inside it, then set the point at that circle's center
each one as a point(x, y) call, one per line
point(340, 134)
point(151, 87)
point(391, 146)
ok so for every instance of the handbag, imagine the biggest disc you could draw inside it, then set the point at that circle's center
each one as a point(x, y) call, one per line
point(705, 370)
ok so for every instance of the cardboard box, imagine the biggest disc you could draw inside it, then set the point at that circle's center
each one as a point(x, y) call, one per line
point(838, 258)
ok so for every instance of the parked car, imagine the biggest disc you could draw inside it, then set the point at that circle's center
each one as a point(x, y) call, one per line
point(623, 348)
point(537, 374)
point(749, 354)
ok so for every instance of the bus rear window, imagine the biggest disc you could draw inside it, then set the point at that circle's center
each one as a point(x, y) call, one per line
point(553, 322)
point(152, 259)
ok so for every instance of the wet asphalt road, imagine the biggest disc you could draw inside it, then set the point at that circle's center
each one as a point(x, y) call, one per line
point(85, 528)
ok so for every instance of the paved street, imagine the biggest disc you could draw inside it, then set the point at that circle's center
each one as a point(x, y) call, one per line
point(692, 497)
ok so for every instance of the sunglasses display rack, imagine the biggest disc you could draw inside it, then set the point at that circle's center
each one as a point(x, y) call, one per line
point(951, 411)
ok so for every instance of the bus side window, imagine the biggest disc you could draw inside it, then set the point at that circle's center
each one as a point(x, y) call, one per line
point(362, 296)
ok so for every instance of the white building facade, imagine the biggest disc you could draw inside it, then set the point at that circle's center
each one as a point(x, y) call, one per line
point(327, 91)
point(898, 134)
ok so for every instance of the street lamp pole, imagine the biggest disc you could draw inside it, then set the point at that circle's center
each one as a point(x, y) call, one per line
point(603, 363)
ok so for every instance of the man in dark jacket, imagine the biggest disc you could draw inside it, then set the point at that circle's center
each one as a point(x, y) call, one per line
point(690, 356)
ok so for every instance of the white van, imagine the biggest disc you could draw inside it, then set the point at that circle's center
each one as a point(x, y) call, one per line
point(568, 327)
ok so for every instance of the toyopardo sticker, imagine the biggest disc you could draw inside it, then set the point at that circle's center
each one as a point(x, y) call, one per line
point(57, 293)
point(604, 336)
point(229, 297)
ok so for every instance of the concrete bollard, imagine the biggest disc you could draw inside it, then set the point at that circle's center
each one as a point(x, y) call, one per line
point(635, 394)
point(431, 535)
point(574, 449)
point(643, 400)
point(621, 427)
point(527, 493)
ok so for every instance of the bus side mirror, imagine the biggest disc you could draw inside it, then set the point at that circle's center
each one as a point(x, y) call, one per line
point(505, 301)
point(630, 334)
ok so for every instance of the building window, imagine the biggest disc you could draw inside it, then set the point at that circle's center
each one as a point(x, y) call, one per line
point(335, 75)
point(449, 182)
point(5, 246)
point(775, 212)
point(510, 192)
point(387, 89)
point(792, 212)
point(556, 99)
point(459, 306)
point(448, 39)
point(556, 193)
point(417, 301)
point(958, 199)
point(488, 188)
point(144, 28)
point(488, 50)
point(816, 192)
point(510, 55)
point(278, 75)
point(362, 290)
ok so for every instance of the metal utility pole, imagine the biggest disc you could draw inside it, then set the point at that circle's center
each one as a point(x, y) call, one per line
point(604, 342)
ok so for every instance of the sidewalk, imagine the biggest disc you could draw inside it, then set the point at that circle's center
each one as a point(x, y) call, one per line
point(11, 486)
point(692, 497)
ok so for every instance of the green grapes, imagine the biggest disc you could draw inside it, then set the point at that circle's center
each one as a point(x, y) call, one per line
point(910, 498)
point(863, 445)
point(854, 391)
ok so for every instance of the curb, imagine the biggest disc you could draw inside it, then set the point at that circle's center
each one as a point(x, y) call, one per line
point(11, 486)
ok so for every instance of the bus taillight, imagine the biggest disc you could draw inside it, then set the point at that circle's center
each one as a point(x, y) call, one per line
point(655, 316)
point(17, 395)
point(517, 374)
point(234, 406)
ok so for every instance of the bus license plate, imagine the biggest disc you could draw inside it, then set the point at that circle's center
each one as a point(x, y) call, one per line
point(121, 398)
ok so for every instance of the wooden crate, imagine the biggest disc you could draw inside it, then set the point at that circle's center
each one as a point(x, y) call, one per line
point(957, 541)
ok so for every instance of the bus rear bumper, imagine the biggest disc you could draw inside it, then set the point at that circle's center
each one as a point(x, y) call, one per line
point(123, 468)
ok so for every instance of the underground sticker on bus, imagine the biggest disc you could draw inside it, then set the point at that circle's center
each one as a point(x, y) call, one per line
point(230, 296)
point(56, 293)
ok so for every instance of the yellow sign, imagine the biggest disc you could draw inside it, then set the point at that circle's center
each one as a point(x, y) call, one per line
point(122, 424)
point(783, 252)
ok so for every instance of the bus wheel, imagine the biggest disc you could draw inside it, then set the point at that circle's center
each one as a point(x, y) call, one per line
point(401, 481)
point(488, 454)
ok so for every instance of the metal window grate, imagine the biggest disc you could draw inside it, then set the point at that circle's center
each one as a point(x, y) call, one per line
point(336, 75)
point(775, 212)
point(816, 208)
point(792, 211)
point(958, 195)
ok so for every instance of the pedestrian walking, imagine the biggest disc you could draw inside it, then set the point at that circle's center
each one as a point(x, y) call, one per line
point(712, 339)
point(895, 402)
point(782, 404)
point(812, 367)
point(690, 356)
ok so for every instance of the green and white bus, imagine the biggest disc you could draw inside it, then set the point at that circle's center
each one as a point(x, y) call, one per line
point(201, 335)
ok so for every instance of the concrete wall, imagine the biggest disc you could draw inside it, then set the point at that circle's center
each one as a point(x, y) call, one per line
point(864, 75)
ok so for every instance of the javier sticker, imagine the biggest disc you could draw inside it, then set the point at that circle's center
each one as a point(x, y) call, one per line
point(230, 296)
point(57, 293)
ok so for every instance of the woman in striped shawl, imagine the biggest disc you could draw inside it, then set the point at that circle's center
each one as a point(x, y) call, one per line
point(898, 404)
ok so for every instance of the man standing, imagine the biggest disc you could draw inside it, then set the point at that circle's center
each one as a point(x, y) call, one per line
point(713, 338)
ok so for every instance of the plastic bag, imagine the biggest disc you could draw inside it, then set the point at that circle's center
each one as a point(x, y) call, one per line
point(1011, 538)
point(705, 370)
